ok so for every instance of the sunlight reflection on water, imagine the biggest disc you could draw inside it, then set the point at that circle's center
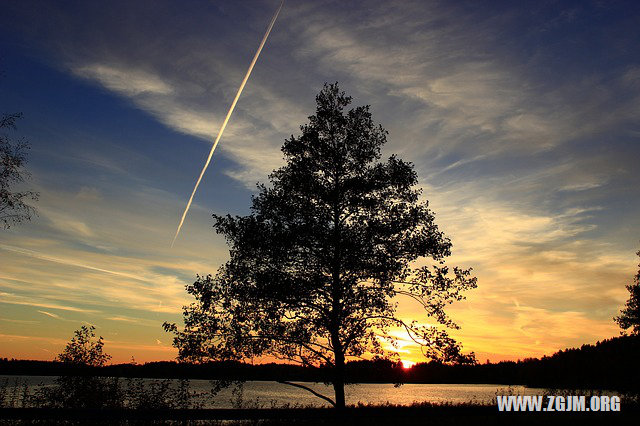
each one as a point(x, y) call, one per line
point(263, 394)
point(372, 393)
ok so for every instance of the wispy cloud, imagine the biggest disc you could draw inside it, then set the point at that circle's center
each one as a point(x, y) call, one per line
point(50, 314)
point(130, 83)
point(17, 337)
point(525, 148)
point(48, 258)
point(14, 299)
point(18, 321)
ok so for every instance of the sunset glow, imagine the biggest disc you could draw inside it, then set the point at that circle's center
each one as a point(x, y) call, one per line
point(407, 363)
point(521, 122)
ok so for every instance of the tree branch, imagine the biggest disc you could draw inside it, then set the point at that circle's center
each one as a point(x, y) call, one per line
point(329, 400)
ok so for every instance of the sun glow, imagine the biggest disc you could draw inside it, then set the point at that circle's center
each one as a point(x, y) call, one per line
point(406, 364)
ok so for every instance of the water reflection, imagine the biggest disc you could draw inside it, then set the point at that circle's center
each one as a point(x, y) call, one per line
point(264, 394)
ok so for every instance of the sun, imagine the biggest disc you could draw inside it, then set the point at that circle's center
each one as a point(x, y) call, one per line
point(407, 364)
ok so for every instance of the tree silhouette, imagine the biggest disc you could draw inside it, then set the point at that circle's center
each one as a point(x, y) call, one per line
point(84, 350)
point(84, 390)
point(13, 208)
point(630, 316)
point(315, 267)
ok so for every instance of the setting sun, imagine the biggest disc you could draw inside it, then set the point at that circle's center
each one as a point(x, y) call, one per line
point(407, 364)
point(232, 211)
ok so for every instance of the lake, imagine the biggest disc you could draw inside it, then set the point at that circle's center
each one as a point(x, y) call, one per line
point(266, 394)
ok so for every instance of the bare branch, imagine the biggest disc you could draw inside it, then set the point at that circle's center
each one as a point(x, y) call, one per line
point(329, 400)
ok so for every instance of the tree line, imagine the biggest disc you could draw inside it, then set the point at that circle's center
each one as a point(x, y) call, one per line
point(609, 364)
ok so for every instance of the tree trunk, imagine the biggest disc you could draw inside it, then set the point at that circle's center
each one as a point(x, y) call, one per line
point(336, 294)
point(338, 380)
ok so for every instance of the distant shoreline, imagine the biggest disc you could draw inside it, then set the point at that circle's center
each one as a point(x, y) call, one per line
point(610, 364)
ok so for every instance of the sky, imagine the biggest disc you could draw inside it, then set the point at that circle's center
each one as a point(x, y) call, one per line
point(521, 119)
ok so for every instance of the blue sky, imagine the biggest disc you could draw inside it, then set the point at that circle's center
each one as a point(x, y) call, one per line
point(521, 120)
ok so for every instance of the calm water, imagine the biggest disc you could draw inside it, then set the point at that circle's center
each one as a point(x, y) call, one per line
point(266, 394)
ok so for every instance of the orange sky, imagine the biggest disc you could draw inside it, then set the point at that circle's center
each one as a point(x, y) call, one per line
point(521, 121)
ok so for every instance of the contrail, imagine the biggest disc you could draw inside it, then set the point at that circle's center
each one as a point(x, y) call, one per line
point(226, 119)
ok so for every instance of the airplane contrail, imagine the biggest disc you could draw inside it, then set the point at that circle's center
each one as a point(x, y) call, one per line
point(226, 120)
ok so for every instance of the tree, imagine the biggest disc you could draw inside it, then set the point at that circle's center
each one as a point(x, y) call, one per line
point(13, 208)
point(83, 388)
point(84, 350)
point(630, 316)
point(314, 269)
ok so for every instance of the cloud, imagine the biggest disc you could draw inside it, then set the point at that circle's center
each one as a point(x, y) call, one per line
point(50, 314)
point(244, 140)
point(17, 337)
point(89, 195)
point(48, 258)
point(14, 299)
point(526, 151)
point(68, 225)
point(130, 83)
point(19, 321)
point(543, 282)
point(124, 319)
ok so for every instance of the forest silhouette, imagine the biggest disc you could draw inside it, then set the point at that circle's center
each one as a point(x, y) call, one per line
point(608, 365)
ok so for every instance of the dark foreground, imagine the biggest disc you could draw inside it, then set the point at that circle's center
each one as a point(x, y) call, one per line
point(421, 415)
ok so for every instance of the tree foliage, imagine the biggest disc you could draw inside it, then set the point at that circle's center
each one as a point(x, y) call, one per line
point(315, 269)
point(89, 390)
point(13, 156)
point(84, 349)
point(630, 316)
